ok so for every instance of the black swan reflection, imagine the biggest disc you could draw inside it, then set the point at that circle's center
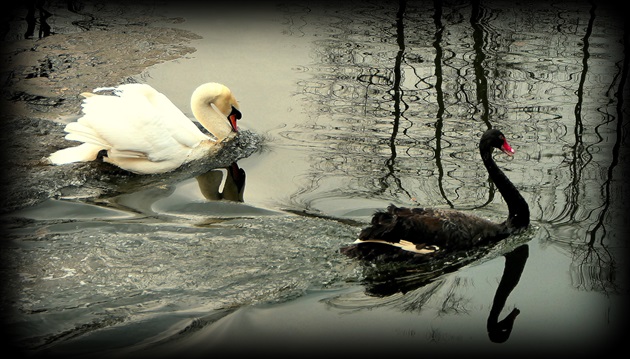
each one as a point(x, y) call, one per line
point(499, 330)
point(427, 231)
point(384, 281)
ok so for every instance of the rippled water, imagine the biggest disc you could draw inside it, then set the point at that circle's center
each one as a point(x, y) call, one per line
point(358, 105)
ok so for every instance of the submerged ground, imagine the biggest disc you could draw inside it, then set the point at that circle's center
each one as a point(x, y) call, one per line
point(88, 46)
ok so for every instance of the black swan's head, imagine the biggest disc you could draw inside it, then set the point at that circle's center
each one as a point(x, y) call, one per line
point(495, 138)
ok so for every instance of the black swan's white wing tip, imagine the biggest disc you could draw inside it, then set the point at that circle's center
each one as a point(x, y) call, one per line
point(404, 245)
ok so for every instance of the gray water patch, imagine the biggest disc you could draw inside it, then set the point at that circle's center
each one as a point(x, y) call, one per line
point(53, 209)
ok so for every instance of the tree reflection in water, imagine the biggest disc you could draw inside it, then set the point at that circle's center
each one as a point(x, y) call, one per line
point(398, 91)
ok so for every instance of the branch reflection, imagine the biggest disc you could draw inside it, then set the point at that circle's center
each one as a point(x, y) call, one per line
point(388, 126)
point(398, 100)
point(439, 97)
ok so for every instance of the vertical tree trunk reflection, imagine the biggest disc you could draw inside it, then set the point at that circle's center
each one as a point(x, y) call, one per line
point(606, 187)
point(397, 94)
point(439, 94)
point(578, 152)
point(480, 76)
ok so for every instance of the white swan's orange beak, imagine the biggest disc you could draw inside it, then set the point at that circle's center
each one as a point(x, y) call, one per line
point(506, 148)
point(233, 119)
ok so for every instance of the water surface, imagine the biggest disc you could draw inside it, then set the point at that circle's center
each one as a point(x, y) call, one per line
point(359, 105)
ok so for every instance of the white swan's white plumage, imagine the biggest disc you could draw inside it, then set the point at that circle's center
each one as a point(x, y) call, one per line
point(144, 132)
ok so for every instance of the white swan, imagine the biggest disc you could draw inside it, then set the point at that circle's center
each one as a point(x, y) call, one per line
point(144, 132)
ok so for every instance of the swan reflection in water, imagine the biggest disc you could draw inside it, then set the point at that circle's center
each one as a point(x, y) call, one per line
point(171, 194)
point(384, 278)
point(232, 178)
point(499, 330)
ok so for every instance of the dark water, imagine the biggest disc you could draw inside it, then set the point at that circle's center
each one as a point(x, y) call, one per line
point(359, 105)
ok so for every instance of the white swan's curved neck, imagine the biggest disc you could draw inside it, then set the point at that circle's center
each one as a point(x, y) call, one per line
point(212, 120)
point(211, 104)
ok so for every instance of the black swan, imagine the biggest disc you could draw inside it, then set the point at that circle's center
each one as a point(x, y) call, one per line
point(427, 231)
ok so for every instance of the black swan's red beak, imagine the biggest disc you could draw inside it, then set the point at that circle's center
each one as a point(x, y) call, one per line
point(506, 148)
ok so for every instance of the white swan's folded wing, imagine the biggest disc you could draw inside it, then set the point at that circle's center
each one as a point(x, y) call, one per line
point(129, 127)
point(174, 120)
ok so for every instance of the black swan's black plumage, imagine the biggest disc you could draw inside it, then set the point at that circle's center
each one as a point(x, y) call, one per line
point(428, 230)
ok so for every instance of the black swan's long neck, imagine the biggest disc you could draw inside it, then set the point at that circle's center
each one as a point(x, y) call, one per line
point(518, 209)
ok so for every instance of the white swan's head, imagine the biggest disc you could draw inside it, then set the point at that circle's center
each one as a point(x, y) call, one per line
point(216, 109)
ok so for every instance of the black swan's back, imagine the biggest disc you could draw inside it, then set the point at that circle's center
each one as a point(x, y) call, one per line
point(430, 229)
point(427, 230)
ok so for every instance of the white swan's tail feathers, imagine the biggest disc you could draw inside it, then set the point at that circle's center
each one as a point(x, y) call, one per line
point(82, 153)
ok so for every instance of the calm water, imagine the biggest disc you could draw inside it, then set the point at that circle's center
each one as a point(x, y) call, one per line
point(359, 105)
